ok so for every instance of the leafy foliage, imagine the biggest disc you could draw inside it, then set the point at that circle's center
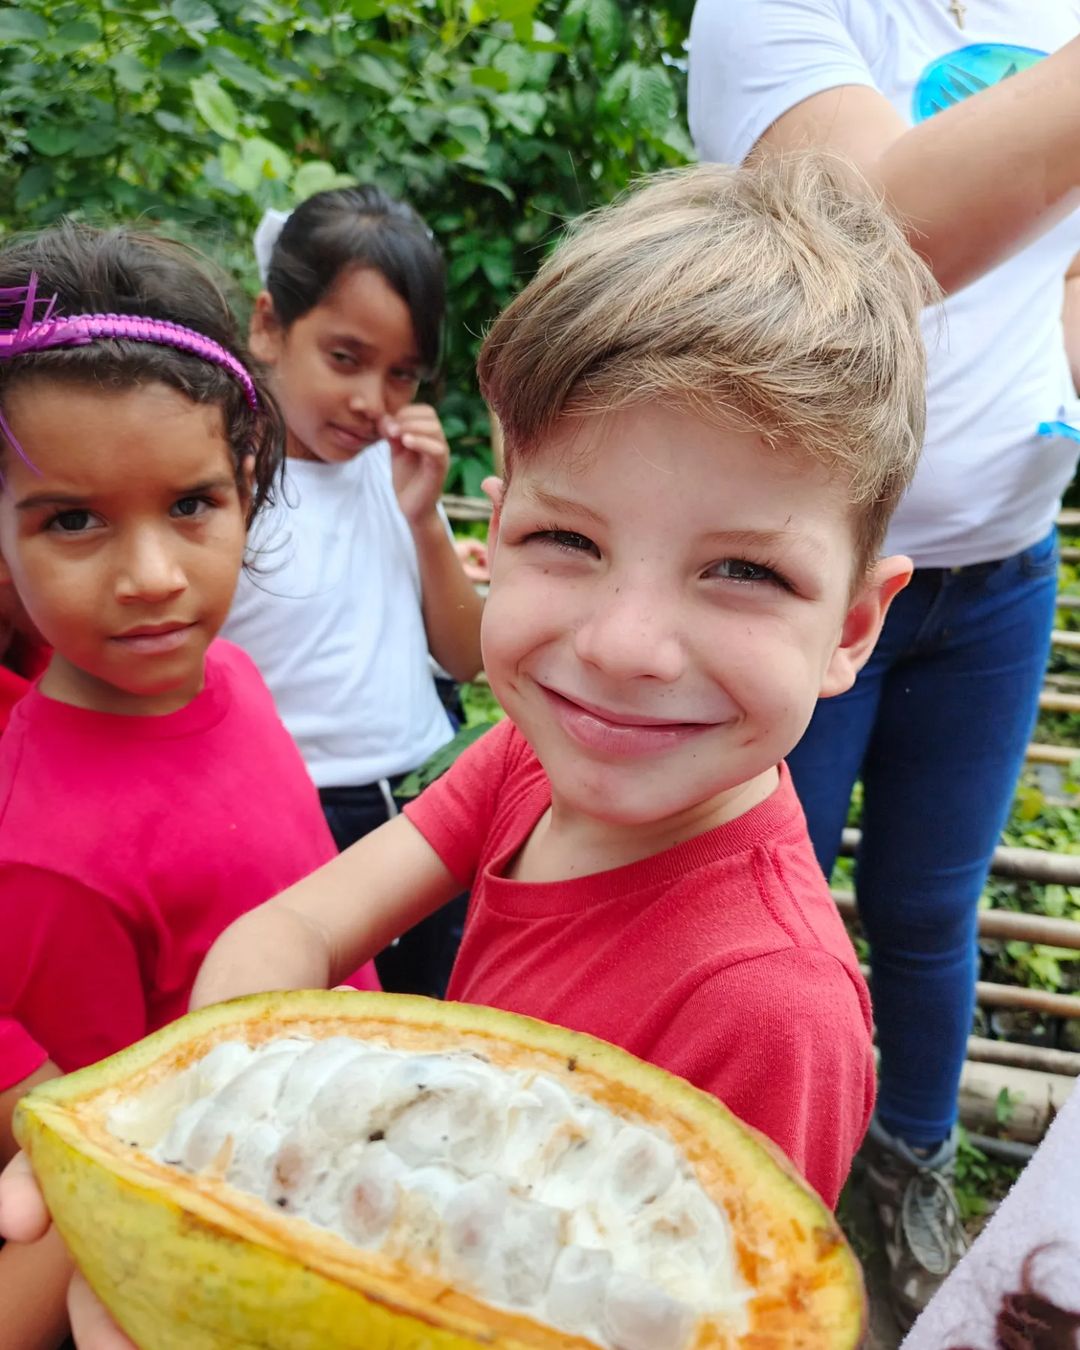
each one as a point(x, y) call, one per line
point(498, 119)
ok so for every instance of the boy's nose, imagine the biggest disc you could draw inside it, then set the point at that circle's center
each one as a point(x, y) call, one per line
point(630, 635)
point(150, 571)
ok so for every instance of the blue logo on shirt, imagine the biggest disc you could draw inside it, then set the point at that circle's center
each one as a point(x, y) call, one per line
point(952, 78)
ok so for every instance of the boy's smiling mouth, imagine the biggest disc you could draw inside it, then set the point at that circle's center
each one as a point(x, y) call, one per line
point(619, 733)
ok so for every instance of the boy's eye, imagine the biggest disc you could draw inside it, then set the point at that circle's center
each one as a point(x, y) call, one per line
point(568, 541)
point(71, 522)
point(739, 569)
point(187, 508)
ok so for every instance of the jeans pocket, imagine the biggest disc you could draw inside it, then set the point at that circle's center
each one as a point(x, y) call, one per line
point(1041, 559)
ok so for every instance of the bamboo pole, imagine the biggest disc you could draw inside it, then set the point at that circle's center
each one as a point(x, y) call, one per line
point(982, 1050)
point(1052, 754)
point(1032, 1099)
point(1024, 864)
point(1005, 924)
point(1061, 637)
point(1052, 701)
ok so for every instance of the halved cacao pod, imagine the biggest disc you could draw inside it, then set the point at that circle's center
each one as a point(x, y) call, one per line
point(338, 1171)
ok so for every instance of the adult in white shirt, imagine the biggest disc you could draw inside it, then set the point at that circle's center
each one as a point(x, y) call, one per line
point(957, 115)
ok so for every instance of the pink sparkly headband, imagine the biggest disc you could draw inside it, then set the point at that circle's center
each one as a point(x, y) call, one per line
point(37, 335)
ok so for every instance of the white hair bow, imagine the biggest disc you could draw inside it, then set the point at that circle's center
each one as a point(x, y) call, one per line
point(266, 236)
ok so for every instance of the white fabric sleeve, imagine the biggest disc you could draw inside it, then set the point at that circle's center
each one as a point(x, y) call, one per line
point(752, 60)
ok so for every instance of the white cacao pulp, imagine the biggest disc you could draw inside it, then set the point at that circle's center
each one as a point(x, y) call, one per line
point(500, 1181)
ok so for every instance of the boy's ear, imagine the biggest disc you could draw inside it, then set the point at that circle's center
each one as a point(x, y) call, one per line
point(265, 332)
point(863, 621)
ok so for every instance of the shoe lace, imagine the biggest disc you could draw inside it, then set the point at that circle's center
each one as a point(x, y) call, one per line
point(930, 1219)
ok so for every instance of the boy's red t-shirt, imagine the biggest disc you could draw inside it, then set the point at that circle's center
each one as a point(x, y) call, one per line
point(126, 845)
point(722, 960)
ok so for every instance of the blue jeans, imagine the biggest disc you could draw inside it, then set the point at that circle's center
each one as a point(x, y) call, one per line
point(936, 726)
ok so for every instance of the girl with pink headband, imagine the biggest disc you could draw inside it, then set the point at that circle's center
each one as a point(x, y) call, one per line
point(149, 794)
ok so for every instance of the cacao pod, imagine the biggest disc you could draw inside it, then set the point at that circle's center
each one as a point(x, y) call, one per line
point(325, 1170)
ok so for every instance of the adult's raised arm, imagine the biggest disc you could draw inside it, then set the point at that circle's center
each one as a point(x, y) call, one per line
point(973, 184)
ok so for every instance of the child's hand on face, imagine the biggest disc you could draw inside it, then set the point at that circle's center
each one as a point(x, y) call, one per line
point(421, 458)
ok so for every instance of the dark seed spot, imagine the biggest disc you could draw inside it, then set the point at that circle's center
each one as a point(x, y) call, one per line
point(571, 1063)
point(281, 1202)
point(375, 1136)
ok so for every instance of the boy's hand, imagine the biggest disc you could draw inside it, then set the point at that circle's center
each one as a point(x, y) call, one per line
point(24, 1218)
point(421, 458)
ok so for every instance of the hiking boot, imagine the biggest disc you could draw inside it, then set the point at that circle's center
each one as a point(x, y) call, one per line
point(919, 1216)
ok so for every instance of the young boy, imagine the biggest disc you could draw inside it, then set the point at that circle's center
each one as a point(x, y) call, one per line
point(711, 397)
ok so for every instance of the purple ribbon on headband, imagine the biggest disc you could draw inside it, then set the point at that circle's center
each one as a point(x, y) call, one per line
point(38, 334)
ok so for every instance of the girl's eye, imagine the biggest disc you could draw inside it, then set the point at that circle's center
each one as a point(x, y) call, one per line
point(567, 541)
point(739, 569)
point(344, 359)
point(71, 522)
point(408, 377)
point(188, 508)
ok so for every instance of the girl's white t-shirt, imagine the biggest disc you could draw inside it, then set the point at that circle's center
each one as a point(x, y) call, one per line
point(989, 484)
point(331, 615)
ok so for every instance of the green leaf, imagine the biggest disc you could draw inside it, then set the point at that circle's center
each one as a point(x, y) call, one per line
point(497, 268)
point(522, 111)
point(230, 67)
point(131, 74)
point(195, 17)
point(98, 138)
point(34, 183)
point(604, 23)
point(215, 107)
point(267, 159)
point(471, 125)
point(70, 37)
point(487, 77)
point(440, 761)
point(22, 25)
point(317, 176)
point(652, 98)
point(377, 74)
point(52, 138)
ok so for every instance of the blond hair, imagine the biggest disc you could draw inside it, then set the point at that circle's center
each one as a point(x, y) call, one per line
point(783, 296)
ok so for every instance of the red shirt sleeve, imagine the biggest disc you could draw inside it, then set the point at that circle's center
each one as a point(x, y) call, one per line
point(783, 1041)
point(70, 975)
point(454, 814)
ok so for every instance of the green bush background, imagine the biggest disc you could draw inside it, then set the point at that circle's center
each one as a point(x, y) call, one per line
point(498, 119)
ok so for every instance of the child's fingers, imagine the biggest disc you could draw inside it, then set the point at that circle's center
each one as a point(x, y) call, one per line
point(436, 447)
point(23, 1216)
point(91, 1325)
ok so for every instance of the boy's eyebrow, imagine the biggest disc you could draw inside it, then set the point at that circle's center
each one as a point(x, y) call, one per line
point(49, 499)
point(763, 538)
point(560, 506)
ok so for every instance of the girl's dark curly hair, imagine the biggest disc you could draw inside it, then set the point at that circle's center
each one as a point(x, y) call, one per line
point(122, 271)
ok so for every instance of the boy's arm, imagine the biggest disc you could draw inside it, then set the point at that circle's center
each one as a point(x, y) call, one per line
point(973, 183)
point(317, 932)
point(783, 1040)
point(1070, 319)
